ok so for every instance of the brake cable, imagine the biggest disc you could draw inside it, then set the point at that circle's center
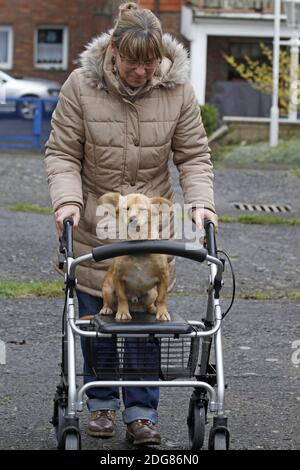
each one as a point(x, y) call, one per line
point(233, 282)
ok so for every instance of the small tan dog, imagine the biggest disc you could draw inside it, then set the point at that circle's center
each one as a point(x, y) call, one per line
point(143, 278)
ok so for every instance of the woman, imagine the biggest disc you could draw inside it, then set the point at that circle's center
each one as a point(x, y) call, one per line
point(118, 118)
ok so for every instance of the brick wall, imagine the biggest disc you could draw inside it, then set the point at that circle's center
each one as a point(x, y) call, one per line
point(85, 20)
point(168, 12)
point(162, 5)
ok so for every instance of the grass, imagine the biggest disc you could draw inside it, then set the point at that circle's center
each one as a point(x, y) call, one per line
point(220, 152)
point(286, 153)
point(270, 295)
point(255, 219)
point(260, 220)
point(31, 289)
point(26, 208)
point(54, 289)
point(296, 172)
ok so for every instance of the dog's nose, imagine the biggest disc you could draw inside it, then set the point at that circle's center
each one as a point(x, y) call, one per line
point(133, 219)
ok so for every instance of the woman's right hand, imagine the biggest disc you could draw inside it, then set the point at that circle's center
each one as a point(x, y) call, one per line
point(62, 213)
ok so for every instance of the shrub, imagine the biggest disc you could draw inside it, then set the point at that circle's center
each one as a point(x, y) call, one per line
point(210, 117)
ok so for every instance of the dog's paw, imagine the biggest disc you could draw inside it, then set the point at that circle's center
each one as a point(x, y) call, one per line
point(151, 309)
point(163, 314)
point(123, 316)
point(106, 311)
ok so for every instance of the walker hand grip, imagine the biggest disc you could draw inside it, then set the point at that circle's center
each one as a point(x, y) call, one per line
point(168, 247)
point(210, 237)
point(210, 243)
point(68, 236)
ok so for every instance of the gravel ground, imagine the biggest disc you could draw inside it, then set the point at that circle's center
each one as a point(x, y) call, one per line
point(262, 400)
point(23, 179)
point(262, 255)
point(255, 186)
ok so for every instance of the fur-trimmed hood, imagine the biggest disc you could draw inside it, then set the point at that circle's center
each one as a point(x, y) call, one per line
point(174, 69)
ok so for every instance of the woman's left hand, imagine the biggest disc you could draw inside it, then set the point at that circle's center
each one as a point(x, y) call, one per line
point(199, 215)
point(211, 216)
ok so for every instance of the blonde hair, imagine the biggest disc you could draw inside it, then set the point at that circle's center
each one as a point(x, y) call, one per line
point(137, 33)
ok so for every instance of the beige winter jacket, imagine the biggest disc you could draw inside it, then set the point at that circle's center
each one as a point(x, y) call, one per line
point(102, 141)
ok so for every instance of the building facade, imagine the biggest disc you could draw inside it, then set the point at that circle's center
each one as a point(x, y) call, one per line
point(232, 27)
point(42, 38)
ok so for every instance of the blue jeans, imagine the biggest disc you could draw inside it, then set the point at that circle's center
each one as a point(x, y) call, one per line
point(139, 402)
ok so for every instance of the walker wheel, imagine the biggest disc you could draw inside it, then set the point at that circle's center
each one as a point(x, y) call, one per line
point(66, 429)
point(59, 424)
point(219, 439)
point(196, 425)
point(72, 441)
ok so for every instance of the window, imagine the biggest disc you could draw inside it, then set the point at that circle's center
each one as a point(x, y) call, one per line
point(51, 47)
point(240, 50)
point(6, 47)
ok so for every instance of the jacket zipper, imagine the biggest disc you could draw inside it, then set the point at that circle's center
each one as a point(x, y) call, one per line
point(134, 178)
point(139, 154)
point(125, 147)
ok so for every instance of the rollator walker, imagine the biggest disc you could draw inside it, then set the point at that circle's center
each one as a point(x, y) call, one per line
point(184, 346)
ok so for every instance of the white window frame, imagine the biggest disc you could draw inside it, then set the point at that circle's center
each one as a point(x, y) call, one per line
point(8, 65)
point(54, 66)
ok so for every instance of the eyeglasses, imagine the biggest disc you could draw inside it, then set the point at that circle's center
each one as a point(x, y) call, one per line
point(131, 64)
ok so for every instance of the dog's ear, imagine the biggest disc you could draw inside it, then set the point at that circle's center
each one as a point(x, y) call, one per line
point(110, 198)
point(162, 215)
point(160, 202)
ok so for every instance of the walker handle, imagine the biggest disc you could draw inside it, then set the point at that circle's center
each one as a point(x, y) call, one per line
point(67, 237)
point(168, 247)
point(210, 237)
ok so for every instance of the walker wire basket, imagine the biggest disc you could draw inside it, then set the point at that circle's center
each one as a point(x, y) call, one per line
point(136, 358)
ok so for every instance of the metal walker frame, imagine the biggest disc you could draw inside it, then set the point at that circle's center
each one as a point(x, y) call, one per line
point(208, 383)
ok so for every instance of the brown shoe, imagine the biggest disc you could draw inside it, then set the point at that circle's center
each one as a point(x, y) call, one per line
point(142, 432)
point(102, 423)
